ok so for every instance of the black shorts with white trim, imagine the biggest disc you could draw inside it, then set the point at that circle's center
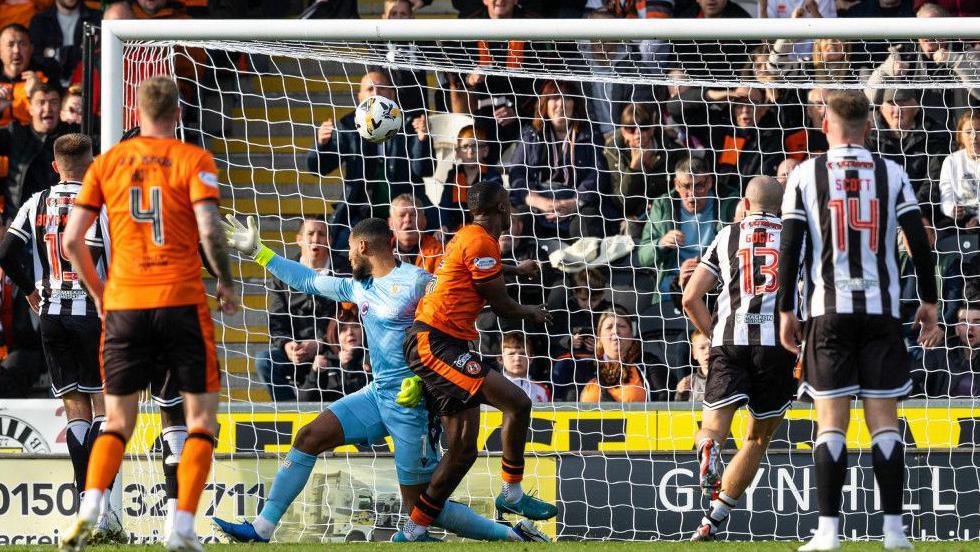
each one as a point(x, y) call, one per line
point(758, 376)
point(855, 355)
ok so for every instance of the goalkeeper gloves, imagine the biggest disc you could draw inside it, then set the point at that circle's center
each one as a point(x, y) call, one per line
point(411, 394)
point(245, 239)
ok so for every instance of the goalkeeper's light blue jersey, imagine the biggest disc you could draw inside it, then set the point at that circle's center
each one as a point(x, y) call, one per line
point(387, 307)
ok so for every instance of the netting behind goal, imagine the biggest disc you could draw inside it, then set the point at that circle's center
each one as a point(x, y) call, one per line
point(586, 135)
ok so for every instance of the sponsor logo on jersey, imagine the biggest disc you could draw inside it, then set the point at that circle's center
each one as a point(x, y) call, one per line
point(484, 263)
point(753, 318)
point(208, 178)
point(472, 367)
point(461, 360)
point(855, 284)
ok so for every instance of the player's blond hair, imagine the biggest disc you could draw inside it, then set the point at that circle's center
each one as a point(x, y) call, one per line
point(157, 98)
point(73, 154)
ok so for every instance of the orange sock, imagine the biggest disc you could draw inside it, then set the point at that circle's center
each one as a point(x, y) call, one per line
point(104, 461)
point(512, 471)
point(193, 469)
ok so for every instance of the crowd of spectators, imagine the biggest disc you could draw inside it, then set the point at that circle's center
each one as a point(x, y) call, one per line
point(586, 159)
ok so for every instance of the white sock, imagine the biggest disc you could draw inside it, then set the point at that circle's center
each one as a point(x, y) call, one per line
point(721, 507)
point(91, 505)
point(893, 524)
point(168, 523)
point(263, 527)
point(413, 530)
point(513, 492)
point(829, 525)
point(184, 523)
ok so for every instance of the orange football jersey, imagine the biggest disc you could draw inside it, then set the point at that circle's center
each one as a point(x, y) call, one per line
point(452, 302)
point(148, 187)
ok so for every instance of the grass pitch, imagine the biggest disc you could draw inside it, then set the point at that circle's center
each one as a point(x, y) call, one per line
point(577, 546)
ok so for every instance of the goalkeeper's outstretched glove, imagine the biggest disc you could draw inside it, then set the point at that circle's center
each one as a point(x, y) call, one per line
point(245, 239)
point(411, 394)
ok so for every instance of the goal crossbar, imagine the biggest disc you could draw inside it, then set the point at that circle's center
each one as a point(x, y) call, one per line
point(115, 32)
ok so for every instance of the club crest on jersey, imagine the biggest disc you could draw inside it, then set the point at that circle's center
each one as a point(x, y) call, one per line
point(395, 289)
point(461, 360)
point(472, 368)
point(365, 306)
point(484, 263)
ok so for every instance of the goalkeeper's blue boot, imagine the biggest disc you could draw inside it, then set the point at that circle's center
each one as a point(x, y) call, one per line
point(239, 532)
point(425, 537)
point(528, 506)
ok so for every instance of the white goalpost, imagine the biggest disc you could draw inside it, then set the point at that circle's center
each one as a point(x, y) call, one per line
point(741, 95)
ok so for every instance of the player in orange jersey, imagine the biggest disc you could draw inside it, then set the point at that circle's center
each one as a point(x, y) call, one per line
point(161, 197)
point(456, 380)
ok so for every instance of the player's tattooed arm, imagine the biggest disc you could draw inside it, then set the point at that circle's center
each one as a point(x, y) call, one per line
point(216, 251)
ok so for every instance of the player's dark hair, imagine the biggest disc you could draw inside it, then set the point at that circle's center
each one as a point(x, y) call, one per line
point(73, 154)
point(484, 196)
point(376, 231)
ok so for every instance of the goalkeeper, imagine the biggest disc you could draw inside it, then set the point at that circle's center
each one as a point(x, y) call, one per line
point(386, 292)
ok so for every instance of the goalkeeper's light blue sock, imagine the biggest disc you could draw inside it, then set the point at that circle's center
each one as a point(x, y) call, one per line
point(289, 482)
point(466, 523)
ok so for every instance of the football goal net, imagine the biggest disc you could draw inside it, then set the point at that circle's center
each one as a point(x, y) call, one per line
point(624, 145)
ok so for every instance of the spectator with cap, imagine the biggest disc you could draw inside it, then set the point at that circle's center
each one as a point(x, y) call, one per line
point(683, 222)
point(297, 321)
point(930, 60)
point(557, 168)
point(20, 73)
point(373, 173)
point(57, 33)
point(638, 164)
point(903, 133)
point(412, 244)
point(959, 178)
point(30, 147)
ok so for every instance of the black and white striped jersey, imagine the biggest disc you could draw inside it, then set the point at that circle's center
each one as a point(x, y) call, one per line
point(745, 259)
point(850, 202)
point(40, 223)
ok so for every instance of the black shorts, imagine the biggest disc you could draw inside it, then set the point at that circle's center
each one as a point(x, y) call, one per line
point(451, 373)
point(758, 376)
point(71, 351)
point(855, 354)
point(170, 349)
